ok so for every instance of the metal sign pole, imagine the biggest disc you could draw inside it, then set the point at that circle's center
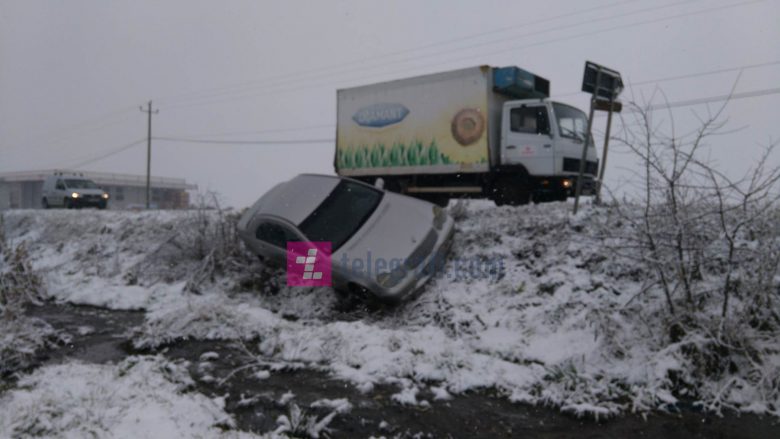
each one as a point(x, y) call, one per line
point(606, 150)
point(581, 174)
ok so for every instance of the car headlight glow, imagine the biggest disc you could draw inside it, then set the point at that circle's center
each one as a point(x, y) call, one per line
point(439, 217)
point(75, 195)
point(105, 196)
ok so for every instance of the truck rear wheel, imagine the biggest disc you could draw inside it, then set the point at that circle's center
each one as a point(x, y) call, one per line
point(512, 190)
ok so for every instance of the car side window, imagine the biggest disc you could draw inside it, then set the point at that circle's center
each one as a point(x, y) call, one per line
point(531, 120)
point(60, 185)
point(275, 234)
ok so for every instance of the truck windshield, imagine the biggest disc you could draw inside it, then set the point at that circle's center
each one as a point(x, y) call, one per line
point(572, 123)
point(341, 214)
point(80, 184)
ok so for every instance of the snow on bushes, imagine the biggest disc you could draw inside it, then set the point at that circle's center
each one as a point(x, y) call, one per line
point(570, 317)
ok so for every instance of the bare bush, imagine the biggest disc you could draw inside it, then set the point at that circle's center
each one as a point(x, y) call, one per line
point(695, 227)
point(201, 249)
point(19, 284)
point(21, 337)
point(707, 242)
point(211, 237)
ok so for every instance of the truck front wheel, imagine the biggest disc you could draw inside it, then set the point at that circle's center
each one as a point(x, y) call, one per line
point(512, 190)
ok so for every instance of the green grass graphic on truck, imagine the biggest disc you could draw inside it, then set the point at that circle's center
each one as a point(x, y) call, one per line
point(378, 155)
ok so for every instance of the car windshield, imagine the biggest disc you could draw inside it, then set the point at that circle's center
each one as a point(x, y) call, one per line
point(80, 184)
point(572, 123)
point(342, 213)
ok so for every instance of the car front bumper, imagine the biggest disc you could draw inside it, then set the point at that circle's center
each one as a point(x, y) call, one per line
point(417, 277)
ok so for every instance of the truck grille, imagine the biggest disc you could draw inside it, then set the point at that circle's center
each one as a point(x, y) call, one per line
point(573, 165)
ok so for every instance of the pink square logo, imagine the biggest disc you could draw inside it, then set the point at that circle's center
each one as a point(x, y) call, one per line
point(308, 264)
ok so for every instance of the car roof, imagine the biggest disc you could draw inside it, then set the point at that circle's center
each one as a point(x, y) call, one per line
point(296, 199)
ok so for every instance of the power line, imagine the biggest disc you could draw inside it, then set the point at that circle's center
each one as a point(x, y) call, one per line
point(729, 97)
point(704, 100)
point(247, 142)
point(107, 154)
point(688, 76)
point(79, 130)
point(86, 123)
point(452, 60)
point(647, 81)
point(317, 75)
point(276, 130)
point(384, 56)
point(685, 103)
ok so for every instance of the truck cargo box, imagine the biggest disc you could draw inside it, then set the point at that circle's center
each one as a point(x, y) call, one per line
point(433, 124)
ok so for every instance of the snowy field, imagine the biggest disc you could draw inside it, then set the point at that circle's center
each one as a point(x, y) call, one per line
point(530, 304)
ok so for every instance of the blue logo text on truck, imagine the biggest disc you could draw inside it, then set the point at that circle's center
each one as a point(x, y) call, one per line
point(380, 115)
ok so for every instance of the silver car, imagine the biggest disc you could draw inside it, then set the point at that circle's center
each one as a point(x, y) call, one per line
point(383, 244)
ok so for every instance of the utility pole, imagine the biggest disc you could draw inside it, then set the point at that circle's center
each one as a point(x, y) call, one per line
point(149, 153)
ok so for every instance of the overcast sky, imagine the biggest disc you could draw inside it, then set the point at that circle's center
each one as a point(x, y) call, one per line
point(73, 73)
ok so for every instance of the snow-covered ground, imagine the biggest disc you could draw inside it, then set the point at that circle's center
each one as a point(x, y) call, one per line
point(140, 397)
point(530, 304)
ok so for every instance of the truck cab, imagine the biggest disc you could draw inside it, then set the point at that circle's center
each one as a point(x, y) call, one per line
point(545, 139)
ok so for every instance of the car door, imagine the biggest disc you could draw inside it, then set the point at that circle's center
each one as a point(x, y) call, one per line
point(526, 137)
point(271, 240)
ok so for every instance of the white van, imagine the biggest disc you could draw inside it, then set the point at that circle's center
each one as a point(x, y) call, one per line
point(72, 191)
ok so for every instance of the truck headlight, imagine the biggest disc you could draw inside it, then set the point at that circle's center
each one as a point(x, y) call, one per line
point(439, 217)
point(105, 196)
point(392, 278)
point(75, 195)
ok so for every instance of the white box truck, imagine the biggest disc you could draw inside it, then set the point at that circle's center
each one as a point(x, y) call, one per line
point(481, 132)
